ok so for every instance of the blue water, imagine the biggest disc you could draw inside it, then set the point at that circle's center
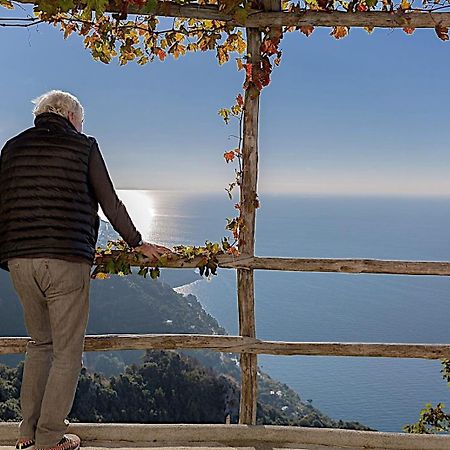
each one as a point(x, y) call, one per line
point(384, 393)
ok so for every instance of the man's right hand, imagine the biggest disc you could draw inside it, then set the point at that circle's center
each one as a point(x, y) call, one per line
point(153, 251)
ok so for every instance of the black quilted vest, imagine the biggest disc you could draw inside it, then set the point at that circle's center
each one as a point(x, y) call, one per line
point(46, 205)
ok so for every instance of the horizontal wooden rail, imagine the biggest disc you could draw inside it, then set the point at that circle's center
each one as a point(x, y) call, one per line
point(367, 266)
point(259, 19)
point(374, 266)
point(240, 344)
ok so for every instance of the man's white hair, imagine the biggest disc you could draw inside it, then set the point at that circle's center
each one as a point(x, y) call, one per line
point(58, 102)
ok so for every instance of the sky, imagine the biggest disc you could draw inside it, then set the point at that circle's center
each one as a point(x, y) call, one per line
point(364, 115)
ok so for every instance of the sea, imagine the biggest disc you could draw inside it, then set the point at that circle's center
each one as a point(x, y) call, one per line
point(383, 393)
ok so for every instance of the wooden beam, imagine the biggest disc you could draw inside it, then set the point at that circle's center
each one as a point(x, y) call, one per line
point(242, 344)
point(261, 19)
point(374, 266)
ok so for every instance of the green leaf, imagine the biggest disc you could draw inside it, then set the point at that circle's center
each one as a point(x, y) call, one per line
point(150, 6)
point(111, 267)
point(154, 273)
point(240, 15)
point(143, 271)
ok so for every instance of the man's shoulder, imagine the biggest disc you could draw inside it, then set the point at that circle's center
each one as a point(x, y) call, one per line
point(22, 134)
point(90, 140)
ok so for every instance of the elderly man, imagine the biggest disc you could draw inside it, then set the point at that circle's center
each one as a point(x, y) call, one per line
point(52, 179)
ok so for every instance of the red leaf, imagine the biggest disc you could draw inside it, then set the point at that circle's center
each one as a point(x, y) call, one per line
point(240, 100)
point(160, 53)
point(268, 47)
point(408, 30)
point(442, 32)
point(229, 156)
point(248, 71)
point(307, 30)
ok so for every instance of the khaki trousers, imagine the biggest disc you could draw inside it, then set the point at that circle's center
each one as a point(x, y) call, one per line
point(55, 298)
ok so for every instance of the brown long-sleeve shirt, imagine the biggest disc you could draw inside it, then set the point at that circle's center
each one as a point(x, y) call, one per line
point(104, 191)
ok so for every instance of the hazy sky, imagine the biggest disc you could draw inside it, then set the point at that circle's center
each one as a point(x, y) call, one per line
point(366, 114)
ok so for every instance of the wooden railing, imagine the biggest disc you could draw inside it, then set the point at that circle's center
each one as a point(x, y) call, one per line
point(242, 344)
point(250, 345)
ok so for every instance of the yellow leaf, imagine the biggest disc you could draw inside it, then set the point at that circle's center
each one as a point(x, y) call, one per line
point(6, 4)
point(405, 4)
point(179, 37)
point(236, 109)
point(241, 44)
point(101, 276)
point(222, 55)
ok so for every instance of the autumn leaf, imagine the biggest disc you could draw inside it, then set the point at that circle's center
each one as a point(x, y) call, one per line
point(142, 60)
point(239, 63)
point(307, 30)
point(68, 29)
point(248, 71)
point(222, 55)
point(236, 110)
point(233, 251)
point(268, 47)
point(6, 4)
point(225, 113)
point(240, 100)
point(369, 29)
point(160, 53)
point(101, 276)
point(177, 49)
point(241, 45)
point(229, 156)
point(405, 4)
point(339, 32)
point(408, 30)
point(442, 32)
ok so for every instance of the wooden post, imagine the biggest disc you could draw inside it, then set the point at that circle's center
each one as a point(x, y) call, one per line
point(245, 281)
point(249, 202)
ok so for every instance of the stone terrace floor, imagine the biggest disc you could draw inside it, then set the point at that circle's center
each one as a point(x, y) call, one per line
point(233, 437)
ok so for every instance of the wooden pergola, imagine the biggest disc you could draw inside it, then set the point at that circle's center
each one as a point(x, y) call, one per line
point(246, 342)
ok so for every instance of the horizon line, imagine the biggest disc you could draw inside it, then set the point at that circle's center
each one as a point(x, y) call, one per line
point(300, 193)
